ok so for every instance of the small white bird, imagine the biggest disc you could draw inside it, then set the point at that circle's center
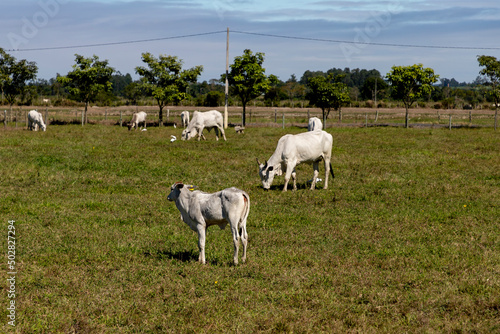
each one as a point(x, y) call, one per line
point(173, 138)
point(175, 126)
point(144, 130)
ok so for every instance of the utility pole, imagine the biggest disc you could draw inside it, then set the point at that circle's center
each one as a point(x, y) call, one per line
point(227, 82)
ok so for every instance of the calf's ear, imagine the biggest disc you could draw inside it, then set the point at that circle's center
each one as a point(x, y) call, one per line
point(179, 185)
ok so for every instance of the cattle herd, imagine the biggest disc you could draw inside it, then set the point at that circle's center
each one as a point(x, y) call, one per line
point(199, 210)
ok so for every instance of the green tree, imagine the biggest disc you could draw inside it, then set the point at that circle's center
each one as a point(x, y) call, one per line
point(327, 93)
point(372, 85)
point(164, 79)
point(89, 77)
point(247, 78)
point(491, 72)
point(132, 92)
point(14, 76)
point(409, 83)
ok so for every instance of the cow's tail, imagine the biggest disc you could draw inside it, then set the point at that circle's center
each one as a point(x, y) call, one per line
point(244, 216)
point(331, 171)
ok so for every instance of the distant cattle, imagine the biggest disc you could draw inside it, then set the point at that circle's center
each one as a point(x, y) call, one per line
point(307, 147)
point(199, 210)
point(137, 118)
point(314, 124)
point(185, 118)
point(35, 120)
point(201, 120)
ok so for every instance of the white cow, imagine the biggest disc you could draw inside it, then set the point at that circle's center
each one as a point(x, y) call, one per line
point(185, 118)
point(200, 210)
point(208, 119)
point(35, 120)
point(309, 147)
point(314, 124)
point(139, 117)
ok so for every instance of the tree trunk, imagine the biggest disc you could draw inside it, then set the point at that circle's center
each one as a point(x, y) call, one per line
point(85, 116)
point(243, 116)
point(160, 115)
point(406, 116)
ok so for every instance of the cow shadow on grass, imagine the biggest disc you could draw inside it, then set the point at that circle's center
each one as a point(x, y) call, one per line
point(183, 256)
point(300, 186)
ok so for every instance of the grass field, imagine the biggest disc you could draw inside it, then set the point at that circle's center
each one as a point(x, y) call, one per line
point(406, 238)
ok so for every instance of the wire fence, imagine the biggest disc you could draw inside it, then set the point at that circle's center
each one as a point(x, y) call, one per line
point(262, 117)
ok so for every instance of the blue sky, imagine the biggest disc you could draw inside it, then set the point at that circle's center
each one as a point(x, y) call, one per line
point(328, 33)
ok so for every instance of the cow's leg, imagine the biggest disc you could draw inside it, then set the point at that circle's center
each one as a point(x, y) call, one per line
point(315, 176)
point(289, 170)
point(202, 232)
point(294, 178)
point(244, 240)
point(223, 133)
point(327, 171)
point(236, 240)
point(200, 134)
point(216, 130)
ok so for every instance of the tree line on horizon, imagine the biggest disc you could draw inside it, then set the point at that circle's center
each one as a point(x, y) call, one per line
point(164, 81)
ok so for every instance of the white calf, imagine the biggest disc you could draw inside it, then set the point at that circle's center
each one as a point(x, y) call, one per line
point(200, 210)
point(185, 118)
point(201, 120)
point(35, 120)
point(137, 118)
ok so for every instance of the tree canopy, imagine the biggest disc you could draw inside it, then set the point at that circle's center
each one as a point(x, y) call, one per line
point(327, 93)
point(89, 77)
point(247, 78)
point(164, 79)
point(14, 76)
point(491, 73)
point(410, 83)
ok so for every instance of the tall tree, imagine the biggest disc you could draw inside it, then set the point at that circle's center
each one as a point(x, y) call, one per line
point(165, 80)
point(247, 78)
point(491, 72)
point(409, 83)
point(327, 93)
point(14, 76)
point(89, 77)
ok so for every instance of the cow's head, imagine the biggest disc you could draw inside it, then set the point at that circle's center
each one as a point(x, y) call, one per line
point(175, 191)
point(188, 134)
point(130, 126)
point(266, 174)
point(43, 127)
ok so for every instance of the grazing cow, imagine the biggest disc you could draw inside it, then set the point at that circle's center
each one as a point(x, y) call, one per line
point(139, 117)
point(208, 119)
point(200, 210)
point(185, 118)
point(35, 120)
point(314, 124)
point(308, 147)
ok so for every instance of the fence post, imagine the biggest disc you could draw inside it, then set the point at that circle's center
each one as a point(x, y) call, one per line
point(275, 116)
point(283, 120)
point(366, 120)
point(46, 115)
point(106, 114)
point(5, 118)
point(16, 115)
point(450, 123)
point(83, 117)
point(308, 115)
point(121, 118)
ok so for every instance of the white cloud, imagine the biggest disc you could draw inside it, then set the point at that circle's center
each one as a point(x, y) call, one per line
point(82, 22)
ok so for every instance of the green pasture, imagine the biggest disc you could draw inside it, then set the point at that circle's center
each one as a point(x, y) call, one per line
point(405, 240)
